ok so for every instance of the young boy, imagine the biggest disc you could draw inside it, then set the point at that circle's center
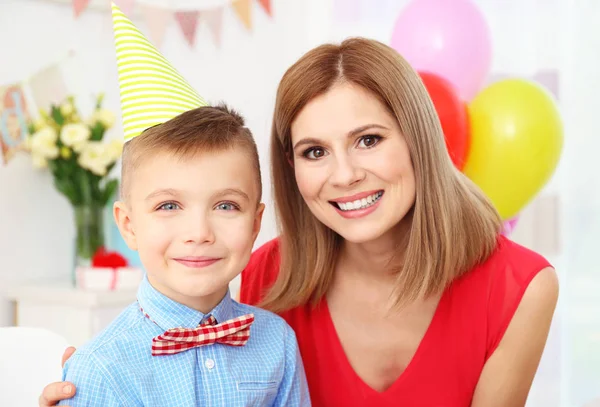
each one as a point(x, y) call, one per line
point(190, 205)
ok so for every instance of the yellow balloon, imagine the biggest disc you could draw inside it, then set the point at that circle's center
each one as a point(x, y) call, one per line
point(516, 142)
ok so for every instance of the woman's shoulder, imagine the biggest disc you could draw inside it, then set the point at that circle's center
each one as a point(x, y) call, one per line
point(513, 260)
point(499, 285)
point(260, 273)
point(505, 274)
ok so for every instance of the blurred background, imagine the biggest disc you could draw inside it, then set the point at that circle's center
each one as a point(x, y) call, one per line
point(541, 169)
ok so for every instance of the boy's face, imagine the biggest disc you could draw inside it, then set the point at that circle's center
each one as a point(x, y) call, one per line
point(193, 221)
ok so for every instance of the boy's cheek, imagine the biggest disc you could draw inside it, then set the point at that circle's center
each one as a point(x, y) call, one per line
point(154, 240)
point(239, 238)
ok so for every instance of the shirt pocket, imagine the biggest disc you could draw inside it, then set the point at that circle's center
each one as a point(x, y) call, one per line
point(258, 385)
point(258, 393)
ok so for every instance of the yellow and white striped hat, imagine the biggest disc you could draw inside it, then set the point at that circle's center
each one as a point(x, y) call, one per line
point(152, 91)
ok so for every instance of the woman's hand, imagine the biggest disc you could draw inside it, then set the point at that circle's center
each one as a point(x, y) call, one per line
point(55, 392)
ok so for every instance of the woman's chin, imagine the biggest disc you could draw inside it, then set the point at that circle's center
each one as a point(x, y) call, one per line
point(383, 234)
point(361, 235)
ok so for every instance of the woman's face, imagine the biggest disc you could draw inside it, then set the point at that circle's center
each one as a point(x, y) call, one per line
point(352, 164)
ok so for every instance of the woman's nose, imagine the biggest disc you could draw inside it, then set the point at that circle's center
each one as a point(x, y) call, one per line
point(345, 172)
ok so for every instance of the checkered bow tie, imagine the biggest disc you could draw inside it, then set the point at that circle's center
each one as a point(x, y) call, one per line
point(233, 332)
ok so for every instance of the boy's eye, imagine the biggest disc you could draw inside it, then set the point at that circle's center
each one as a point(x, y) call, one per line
point(314, 153)
point(168, 206)
point(368, 141)
point(227, 206)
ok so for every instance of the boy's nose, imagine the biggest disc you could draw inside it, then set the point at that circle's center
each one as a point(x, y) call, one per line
point(199, 231)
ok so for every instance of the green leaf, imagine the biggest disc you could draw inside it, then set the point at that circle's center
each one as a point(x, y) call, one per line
point(109, 190)
point(94, 181)
point(99, 100)
point(57, 115)
point(86, 187)
point(55, 168)
point(97, 132)
point(67, 189)
point(110, 167)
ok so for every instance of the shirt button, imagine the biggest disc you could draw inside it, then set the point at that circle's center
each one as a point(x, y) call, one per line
point(209, 363)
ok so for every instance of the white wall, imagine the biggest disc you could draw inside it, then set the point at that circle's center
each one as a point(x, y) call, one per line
point(35, 221)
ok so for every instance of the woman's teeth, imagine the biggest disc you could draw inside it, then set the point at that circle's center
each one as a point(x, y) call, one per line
point(360, 203)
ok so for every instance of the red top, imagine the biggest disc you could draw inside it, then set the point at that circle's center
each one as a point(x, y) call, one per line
point(467, 326)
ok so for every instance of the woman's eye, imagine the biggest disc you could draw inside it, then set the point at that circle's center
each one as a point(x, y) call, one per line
point(227, 206)
point(368, 141)
point(168, 206)
point(314, 153)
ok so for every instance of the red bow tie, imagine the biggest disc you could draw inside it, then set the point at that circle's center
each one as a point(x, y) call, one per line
point(233, 332)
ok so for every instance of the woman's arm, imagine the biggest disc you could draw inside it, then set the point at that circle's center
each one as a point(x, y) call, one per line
point(508, 373)
point(55, 392)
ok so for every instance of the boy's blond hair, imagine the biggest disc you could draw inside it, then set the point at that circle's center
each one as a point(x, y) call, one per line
point(203, 130)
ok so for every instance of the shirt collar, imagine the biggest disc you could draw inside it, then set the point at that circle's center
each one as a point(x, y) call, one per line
point(168, 314)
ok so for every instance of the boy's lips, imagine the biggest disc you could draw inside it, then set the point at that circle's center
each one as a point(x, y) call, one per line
point(197, 261)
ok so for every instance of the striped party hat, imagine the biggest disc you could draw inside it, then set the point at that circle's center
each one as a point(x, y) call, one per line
point(152, 91)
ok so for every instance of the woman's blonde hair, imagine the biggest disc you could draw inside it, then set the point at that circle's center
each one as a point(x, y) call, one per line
point(454, 226)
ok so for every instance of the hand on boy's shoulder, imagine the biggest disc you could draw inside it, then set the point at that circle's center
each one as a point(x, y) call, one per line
point(113, 344)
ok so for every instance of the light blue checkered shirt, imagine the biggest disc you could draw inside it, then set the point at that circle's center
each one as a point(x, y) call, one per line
point(116, 368)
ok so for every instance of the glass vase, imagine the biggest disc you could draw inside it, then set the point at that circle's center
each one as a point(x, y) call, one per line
point(89, 233)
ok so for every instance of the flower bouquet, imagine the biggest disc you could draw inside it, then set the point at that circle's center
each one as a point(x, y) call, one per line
point(74, 151)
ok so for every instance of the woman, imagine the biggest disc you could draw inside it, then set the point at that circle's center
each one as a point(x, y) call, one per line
point(390, 266)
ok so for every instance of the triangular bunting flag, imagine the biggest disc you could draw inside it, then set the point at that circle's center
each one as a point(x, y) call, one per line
point(79, 6)
point(157, 19)
point(266, 5)
point(214, 19)
point(188, 21)
point(243, 8)
point(125, 5)
point(152, 91)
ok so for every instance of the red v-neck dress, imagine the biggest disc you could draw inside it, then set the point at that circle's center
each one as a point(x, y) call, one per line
point(471, 318)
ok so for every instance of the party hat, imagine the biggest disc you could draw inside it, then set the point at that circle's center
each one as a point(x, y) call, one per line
point(152, 91)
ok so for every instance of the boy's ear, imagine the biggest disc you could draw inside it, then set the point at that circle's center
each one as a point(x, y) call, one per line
point(257, 220)
point(122, 217)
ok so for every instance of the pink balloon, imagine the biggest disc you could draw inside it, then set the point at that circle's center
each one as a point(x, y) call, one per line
point(510, 225)
point(446, 37)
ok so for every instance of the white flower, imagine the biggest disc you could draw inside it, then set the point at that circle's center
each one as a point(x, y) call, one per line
point(93, 157)
point(39, 161)
point(43, 143)
point(47, 134)
point(66, 109)
point(105, 117)
point(39, 124)
point(113, 150)
point(75, 136)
